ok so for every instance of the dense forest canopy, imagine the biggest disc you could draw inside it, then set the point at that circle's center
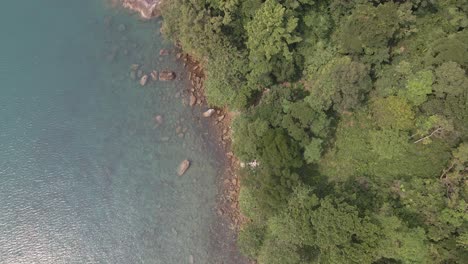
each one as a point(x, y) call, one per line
point(357, 112)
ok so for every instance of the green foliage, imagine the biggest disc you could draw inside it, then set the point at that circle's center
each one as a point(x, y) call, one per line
point(226, 83)
point(341, 235)
point(249, 206)
point(392, 113)
point(418, 87)
point(270, 34)
point(313, 151)
point(369, 29)
point(356, 115)
point(402, 243)
point(389, 144)
point(450, 48)
point(342, 83)
point(251, 239)
point(450, 80)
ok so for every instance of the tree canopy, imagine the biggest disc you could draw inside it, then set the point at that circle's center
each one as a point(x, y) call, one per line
point(356, 113)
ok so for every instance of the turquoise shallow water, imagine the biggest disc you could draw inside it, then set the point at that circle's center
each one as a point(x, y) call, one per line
point(86, 175)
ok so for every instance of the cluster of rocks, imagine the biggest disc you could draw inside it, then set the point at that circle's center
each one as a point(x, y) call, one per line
point(136, 73)
point(146, 8)
point(180, 130)
point(196, 91)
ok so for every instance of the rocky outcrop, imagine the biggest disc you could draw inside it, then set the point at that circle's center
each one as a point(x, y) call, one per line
point(183, 167)
point(146, 8)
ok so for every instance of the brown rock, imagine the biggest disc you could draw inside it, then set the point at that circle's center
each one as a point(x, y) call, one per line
point(167, 76)
point(208, 112)
point(183, 167)
point(144, 80)
point(134, 67)
point(146, 8)
point(193, 100)
point(154, 75)
point(163, 52)
point(159, 119)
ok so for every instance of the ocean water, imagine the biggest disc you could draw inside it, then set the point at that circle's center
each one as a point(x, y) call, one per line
point(86, 174)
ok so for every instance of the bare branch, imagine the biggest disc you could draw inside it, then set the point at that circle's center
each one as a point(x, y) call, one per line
point(430, 135)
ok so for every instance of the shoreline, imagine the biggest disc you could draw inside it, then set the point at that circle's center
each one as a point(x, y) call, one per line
point(228, 182)
point(229, 219)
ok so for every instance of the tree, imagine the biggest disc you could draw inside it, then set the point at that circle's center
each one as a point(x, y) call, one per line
point(342, 236)
point(251, 239)
point(449, 48)
point(343, 84)
point(270, 35)
point(389, 144)
point(408, 245)
point(225, 84)
point(313, 151)
point(418, 87)
point(369, 29)
point(450, 79)
point(392, 112)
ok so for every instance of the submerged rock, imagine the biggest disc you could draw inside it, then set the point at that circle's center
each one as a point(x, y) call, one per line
point(158, 119)
point(144, 80)
point(134, 67)
point(146, 8)
point(154, 75)
point(133, 75)
point(163, 52)
point(121, 28)
point(166, 76)
point(183, 167)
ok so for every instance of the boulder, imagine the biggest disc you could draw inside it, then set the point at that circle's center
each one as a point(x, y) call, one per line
point(158, 119)
point(163, 52)
point(193, 100)
point(144, 80)
point(133, 75)
point(134, 67)
point(208, 112)
point(146, 8)
point(121, 28)
point(167, 76)
point(154, 75)
point(183, 167)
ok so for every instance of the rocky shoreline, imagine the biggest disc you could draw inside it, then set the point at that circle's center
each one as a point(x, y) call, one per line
point(146, 8)
point(220, 121)
point(227, 209)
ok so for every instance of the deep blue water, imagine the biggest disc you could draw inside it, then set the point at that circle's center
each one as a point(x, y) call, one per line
point(86, 175)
